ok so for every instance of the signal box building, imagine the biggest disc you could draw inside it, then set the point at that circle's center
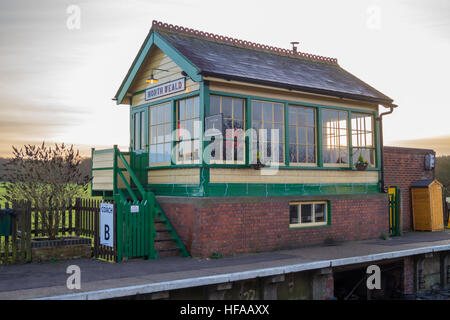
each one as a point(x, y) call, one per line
point(197, 103)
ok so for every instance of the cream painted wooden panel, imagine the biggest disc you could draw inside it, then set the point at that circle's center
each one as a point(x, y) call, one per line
point(120, 183)
point(103, 160)
point(281, 94)
point(158, 59)
point(239, 175)
point(102, 180)
point(169, 176)
point(120, 163)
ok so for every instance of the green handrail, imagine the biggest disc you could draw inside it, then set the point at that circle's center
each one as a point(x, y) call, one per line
point(131, 172)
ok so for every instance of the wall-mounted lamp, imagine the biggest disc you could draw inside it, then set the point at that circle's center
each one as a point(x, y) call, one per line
point(152, 77)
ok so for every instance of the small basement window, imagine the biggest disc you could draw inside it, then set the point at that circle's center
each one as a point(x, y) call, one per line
point(303, 214)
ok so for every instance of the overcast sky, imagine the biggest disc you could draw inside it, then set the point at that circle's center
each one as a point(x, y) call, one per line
point(56, 83)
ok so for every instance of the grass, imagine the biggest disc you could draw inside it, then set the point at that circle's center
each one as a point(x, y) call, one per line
point(87, 195)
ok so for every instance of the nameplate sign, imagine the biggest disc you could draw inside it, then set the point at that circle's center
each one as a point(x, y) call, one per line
point(165, 89)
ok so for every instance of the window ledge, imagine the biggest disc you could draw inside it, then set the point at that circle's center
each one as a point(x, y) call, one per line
point(297, 227)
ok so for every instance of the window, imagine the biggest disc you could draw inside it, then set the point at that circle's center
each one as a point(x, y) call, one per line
point(302, 135)
point(160, 133)
point(363, 138)
point(231, 145)
point(307, 213)
point(139, 130)
point(334, 137)
point(268, 116)
point(188, 133)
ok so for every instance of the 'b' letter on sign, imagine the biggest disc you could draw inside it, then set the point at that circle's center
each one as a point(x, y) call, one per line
point(74, 280)
point(374, 280)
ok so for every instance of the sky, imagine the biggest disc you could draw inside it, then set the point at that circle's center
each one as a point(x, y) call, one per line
point(61, 62)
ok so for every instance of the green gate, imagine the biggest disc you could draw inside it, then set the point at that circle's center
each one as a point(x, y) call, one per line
point(394, 215)
point(135, 230)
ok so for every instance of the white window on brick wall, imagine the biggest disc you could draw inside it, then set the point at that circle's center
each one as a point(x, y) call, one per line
point(302, 214)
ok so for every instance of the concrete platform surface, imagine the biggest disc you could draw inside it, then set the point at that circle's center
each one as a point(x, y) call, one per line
point(100, 280)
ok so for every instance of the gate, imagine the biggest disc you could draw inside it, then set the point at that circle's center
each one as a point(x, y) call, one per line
point(135, 231)
point(394, 215)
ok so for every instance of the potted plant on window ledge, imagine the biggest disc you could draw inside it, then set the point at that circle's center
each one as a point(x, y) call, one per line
point(258, 165)
point(361, 164)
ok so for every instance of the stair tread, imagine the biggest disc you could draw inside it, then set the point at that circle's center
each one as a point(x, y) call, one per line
point(169, 249)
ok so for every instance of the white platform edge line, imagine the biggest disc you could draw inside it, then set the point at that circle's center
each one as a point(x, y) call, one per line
point(237, 276)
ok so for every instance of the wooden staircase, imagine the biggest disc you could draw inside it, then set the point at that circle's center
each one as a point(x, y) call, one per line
point(157, 237)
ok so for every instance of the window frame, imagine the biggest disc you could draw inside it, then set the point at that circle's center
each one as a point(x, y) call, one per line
point(282, 135)
point(192, 140)
point(347, 130)
point(373, 133)
point(316, 144)
point(224, 138)
point(165, 123)
point(310, 224)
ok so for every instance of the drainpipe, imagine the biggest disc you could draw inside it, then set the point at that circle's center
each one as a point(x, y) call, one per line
point(380, 118)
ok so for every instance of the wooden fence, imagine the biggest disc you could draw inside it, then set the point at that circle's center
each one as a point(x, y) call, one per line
point(16, 246)
point(81, 219)
point(87, 224)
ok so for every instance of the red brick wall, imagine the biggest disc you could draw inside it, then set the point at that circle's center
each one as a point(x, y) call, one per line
point(408, 275)
point(403, 167)
point(232, 225)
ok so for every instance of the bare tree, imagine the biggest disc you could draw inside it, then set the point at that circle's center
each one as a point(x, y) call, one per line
point(51, 178)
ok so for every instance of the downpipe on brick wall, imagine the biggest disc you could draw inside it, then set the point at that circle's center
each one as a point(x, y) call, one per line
point(380, 118)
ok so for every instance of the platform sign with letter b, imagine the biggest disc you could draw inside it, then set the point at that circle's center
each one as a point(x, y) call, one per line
point(107, 224)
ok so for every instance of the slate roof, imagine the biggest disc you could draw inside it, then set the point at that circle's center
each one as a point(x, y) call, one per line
point(233, 59)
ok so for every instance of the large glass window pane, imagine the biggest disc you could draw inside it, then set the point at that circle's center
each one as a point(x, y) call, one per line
point(278, 113)
point(160, 133)
point(214, 105)
point(293, 214)
point(362, 138)
point(233, 119)
point(319, 212)
point(188, 121)
point(256, 111)
point(306, 212)
point(264, 139)
point(227, 109)
point(335, 139)
point(136, 131)
point(305, 133)
point(267, 112)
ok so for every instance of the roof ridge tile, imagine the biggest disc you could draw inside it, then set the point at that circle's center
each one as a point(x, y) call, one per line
point(241, 43)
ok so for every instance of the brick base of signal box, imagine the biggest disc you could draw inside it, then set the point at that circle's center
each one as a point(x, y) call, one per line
point(233, 225)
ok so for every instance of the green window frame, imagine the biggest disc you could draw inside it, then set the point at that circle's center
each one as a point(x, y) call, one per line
point(188, 133)
point(363, 137)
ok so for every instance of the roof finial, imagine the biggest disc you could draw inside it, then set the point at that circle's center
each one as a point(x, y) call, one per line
point(294, 47)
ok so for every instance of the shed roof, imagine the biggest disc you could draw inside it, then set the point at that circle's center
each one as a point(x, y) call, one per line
point(234, 59)
point(423, 183)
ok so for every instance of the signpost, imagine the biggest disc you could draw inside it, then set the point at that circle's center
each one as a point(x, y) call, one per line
point(107, 224)
point(165, 89)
